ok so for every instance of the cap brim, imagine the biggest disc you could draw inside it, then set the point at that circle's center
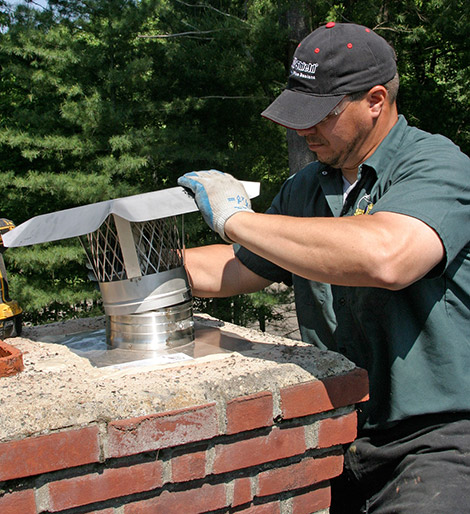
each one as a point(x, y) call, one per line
point(297, 110)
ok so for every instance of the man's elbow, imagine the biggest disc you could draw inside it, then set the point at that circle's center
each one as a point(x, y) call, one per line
point(396, 273)
point(405, 250)
point(387, 277)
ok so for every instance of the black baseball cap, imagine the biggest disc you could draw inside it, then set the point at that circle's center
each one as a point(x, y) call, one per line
point(334, 60)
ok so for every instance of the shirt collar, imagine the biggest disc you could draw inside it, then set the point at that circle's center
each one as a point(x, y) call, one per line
point(388, 148)
point(330, 178)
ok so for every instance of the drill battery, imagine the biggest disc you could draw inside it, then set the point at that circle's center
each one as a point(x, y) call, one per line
point(10, 312)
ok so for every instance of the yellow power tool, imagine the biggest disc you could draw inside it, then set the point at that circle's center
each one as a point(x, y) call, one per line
point(11, 313)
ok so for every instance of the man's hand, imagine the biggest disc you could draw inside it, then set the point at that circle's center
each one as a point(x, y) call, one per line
point(218, 196)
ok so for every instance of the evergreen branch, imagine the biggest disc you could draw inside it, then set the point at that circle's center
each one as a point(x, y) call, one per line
point(37, 4)
point(222, 97)
point(204, 6)
point(397, 30)
point(181, 34)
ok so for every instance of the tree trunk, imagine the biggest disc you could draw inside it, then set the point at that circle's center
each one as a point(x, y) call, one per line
point(298, 152)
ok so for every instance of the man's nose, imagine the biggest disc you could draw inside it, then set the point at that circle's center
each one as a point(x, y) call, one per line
point(305, 132)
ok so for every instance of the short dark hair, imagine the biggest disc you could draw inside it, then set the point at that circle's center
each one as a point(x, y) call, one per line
point(391, 86)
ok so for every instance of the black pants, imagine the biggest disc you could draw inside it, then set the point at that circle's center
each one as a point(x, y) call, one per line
point(418, 467)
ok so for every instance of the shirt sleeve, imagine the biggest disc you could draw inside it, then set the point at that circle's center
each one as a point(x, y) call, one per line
point(433, 186)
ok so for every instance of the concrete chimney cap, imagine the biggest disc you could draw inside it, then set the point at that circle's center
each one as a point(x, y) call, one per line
point(85, 219)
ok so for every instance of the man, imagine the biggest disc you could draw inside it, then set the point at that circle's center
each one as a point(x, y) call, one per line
point(374, 236)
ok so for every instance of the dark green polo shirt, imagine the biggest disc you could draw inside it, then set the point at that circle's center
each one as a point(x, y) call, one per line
point(414, 343)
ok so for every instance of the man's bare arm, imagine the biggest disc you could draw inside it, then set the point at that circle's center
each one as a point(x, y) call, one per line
point(381, 250)
point(214, 271)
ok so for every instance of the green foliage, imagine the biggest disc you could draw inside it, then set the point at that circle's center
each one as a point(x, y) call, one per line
point(48, 291)
point(246, 309)
point(101, 99)
point(105, 99)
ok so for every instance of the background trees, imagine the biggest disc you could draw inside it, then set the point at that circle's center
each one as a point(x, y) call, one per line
point(106, 98)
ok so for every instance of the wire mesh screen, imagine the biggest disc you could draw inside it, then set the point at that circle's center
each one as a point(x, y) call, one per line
point(157, 243)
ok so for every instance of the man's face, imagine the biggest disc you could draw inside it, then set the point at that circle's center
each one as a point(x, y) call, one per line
point(339, 140)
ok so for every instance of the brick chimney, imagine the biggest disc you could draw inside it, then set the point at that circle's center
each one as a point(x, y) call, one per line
point(256, 431)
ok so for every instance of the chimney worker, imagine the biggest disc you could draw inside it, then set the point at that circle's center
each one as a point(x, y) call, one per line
point(375, 238)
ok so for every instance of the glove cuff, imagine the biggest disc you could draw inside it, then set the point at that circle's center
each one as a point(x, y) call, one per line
point(220, 224)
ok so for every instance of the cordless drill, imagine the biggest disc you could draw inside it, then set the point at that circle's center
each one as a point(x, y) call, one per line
point(10, 312)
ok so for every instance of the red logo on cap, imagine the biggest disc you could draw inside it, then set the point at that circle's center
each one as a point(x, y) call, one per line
point(330, 24)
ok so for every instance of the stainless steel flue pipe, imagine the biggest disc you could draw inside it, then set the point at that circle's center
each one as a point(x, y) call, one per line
point(146, 293)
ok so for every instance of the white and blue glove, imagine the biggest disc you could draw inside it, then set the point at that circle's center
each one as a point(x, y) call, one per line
point(218, 196)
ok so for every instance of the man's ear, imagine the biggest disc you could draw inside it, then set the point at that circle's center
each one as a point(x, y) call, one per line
point(376, 97)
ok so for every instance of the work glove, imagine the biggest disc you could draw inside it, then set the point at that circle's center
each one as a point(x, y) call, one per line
point(218, 196)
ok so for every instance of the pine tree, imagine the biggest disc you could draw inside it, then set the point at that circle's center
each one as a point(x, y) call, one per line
point(105, 99)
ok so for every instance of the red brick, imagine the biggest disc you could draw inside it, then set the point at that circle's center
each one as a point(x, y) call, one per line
point(192, 501)
point(249, 412)
point(312, 501)
point(11, 360)
point(324, 395)
point(265, 508)
point(112, 483)
point(47, 453)
point(278, 444)
point(21, 502)
point(242, 491)
point(302, 474)
point(338, 430)
point(168, 429)
point(188, 467)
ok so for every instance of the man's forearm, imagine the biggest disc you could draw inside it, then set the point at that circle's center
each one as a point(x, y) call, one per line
point(214, 271)
point(381, 250)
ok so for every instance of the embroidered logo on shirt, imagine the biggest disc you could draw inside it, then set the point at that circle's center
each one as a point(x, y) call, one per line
point(363, 206)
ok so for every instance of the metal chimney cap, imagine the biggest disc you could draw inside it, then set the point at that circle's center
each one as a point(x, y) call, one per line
point(85, 219)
